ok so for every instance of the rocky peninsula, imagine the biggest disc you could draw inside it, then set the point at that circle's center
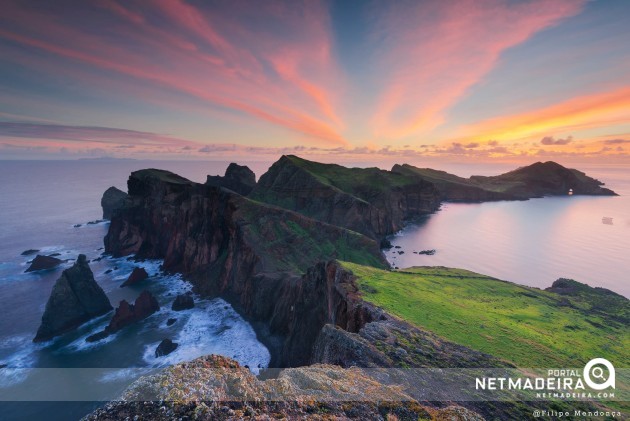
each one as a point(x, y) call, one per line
point(276, 254)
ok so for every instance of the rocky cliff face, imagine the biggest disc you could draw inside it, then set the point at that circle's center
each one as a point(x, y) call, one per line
point(75, 299)
point(370, 201)
point(112, 200)
point(238, 178)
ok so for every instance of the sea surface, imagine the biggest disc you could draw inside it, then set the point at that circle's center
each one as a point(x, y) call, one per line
point(531, 242)
point(41, 202)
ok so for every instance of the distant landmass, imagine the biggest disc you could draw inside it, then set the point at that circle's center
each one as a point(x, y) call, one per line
point(299, 254)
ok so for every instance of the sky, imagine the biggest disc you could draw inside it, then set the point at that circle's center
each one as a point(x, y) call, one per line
point(471, 80)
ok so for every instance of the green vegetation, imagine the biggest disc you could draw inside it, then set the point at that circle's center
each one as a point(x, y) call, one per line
point(355, 181)
point(288, 241)
point(526, 326)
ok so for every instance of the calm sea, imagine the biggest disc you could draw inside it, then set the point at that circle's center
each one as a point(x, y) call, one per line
point(532, 243)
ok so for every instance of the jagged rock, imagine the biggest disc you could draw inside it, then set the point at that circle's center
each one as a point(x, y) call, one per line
point(170, 322)
point(238, 178)
point(126, 314)
point(112, 200)
point(75, 299)
point(165, 347)
point(183, 302)
point(29, 252)
point(137, 275)
point(386, 244)
point(43, 263)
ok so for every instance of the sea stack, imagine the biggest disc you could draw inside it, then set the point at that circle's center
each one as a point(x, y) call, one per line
point(112, 200)
point(75, 299)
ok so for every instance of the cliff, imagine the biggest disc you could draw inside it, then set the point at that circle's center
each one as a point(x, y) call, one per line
point(536, 180)
point(238, 178)
point(75, 299)
point(112, 200)
point(371, 201)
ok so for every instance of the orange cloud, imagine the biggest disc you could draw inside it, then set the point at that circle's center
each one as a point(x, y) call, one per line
point(584, 112)
point(435, 51)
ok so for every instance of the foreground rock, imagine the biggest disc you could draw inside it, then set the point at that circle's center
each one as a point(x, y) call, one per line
point(43, 263)
point(183, 302)
point(126, 314)
point(137, 275)
point(75, 299)
point(238, 178)
point(214, 387)
point(112, 200)
point(165, 347)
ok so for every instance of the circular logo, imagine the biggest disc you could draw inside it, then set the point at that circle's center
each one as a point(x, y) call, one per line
point(596, 377)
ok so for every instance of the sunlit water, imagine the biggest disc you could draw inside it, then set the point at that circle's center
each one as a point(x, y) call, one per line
point(532, 242)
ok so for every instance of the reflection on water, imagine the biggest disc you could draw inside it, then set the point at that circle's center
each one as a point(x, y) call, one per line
point(533, 242)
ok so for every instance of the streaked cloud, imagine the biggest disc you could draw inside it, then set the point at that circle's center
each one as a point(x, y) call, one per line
point(433, 52)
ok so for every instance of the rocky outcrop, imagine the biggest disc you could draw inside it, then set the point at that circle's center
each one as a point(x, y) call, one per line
point(183, 302)
point(112, 200)
point(126, 314)
point(29, 252)
point(43, 263)
point(75, 299)
point(214, 387)
point(238, 178)
point(136, 276)
point(536, 180)
point(371, 201)
point(165, 347)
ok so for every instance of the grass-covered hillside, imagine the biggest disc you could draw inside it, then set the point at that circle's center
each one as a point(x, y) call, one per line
point(525, 326)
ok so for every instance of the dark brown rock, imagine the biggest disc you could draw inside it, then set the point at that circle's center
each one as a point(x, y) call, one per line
point(371, 201)
point(112, 200)
point(183, 302)
point(238, 178)
point(165, 347)
point(126, 314)
point(136, 276)
point(43, 263)
point(75, 299)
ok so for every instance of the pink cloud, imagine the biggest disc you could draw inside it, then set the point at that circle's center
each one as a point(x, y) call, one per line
point(433, 52)
point(211, 59)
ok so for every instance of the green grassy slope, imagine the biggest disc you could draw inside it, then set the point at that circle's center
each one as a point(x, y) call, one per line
point(526, 326)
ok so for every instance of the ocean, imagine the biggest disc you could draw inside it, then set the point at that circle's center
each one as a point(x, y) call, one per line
point(532, 243)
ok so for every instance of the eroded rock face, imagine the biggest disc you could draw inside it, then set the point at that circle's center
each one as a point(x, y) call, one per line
point(238, 178)
point(231, 392)
point(371, 201)
point(137, 275)
point(75, 299)
point(43, 263)
point(165, 347)
point(112, 200)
